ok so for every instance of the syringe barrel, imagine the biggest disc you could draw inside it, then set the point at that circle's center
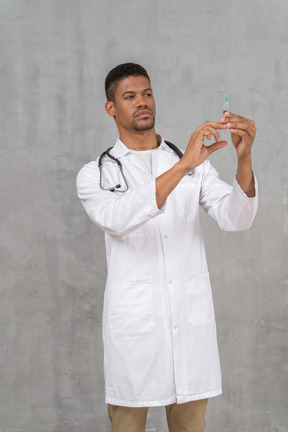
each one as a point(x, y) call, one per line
point(225, 107)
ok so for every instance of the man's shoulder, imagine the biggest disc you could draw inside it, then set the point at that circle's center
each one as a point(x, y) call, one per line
point(89, 169)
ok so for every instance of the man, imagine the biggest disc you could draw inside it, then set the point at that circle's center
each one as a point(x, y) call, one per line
point(160, 344)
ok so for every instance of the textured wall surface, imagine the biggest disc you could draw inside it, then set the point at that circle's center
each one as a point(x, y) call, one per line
point(54, 57)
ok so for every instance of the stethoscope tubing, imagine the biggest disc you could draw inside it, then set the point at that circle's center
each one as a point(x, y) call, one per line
point(118, 186)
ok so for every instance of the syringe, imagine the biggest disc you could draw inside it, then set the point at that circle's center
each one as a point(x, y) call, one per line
point(226, 105)
point(225, 108)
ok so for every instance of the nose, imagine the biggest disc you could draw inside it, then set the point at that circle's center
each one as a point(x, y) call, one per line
point(140, 101)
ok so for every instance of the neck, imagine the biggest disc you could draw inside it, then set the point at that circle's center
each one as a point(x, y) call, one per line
point(143, 140)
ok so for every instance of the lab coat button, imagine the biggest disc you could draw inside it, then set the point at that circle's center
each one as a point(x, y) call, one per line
point(175, 326)
point(165, 236)
point(170, 282)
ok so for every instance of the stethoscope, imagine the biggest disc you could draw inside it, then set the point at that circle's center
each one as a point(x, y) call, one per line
point(118, 186)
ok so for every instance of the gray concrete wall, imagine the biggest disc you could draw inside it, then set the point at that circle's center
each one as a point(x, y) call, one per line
point(54, 58)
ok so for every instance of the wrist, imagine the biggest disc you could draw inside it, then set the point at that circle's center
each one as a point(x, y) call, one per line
point(182, 168)
point(245, 159)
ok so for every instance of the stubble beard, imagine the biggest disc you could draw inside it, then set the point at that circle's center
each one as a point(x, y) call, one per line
point(142, 127)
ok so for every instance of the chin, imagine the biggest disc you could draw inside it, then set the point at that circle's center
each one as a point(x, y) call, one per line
point(143, 127)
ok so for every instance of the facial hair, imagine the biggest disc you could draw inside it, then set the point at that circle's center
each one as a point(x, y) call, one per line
point(144, 126)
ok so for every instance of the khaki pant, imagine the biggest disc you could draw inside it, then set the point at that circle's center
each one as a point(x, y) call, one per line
point(187, 417)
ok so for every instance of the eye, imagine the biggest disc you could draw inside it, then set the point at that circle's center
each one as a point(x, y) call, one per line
point(129, 97)
point(148, 94)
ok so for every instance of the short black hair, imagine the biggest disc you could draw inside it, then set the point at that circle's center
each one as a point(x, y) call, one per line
point(119, 73)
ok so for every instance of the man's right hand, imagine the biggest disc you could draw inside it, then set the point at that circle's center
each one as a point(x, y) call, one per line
point(196, 152)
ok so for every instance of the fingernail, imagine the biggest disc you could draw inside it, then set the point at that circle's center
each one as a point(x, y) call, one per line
point(228, 125)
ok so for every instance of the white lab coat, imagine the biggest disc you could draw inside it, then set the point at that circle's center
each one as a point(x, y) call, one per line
point(160, 343)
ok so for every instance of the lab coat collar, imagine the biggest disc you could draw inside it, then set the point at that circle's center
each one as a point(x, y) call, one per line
point(119, 150)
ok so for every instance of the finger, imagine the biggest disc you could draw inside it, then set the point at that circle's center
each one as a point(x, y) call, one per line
point(250, 130)
point(215, 125)
point(238, 125)
point(216, 146)
point(230, 117)
point(211, 131)
point(239, 132)
point(250, 123)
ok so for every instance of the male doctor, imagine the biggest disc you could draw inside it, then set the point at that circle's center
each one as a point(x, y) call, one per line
point(159, 333)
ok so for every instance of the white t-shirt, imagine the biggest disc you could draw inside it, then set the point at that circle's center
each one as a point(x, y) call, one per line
point(145, 156)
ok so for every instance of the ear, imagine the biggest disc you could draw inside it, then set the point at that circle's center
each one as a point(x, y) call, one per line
point(109, 107)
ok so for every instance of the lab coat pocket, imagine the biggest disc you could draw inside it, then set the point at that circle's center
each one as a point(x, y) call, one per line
point(130, 308)
point(200, 301)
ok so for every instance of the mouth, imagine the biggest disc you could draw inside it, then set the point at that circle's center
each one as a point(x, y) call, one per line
point(143, 113)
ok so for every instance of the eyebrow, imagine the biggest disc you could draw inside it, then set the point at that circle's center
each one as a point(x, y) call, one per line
point(130, 91)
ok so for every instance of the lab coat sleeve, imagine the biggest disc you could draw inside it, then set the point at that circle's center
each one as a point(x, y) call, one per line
point(115, 213)
point(228, 205)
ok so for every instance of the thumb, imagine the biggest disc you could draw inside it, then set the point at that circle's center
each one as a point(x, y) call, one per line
point(216, 146)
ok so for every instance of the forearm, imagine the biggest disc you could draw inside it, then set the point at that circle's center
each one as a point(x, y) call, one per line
point(195, 154)
point(115, 213)
point(167, 182)
point(245, 176)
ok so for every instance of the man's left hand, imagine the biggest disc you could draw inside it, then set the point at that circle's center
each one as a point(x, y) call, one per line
point(243, 132)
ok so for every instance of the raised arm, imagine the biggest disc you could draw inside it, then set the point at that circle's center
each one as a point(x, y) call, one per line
point(243, 132)
point(196, 153)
